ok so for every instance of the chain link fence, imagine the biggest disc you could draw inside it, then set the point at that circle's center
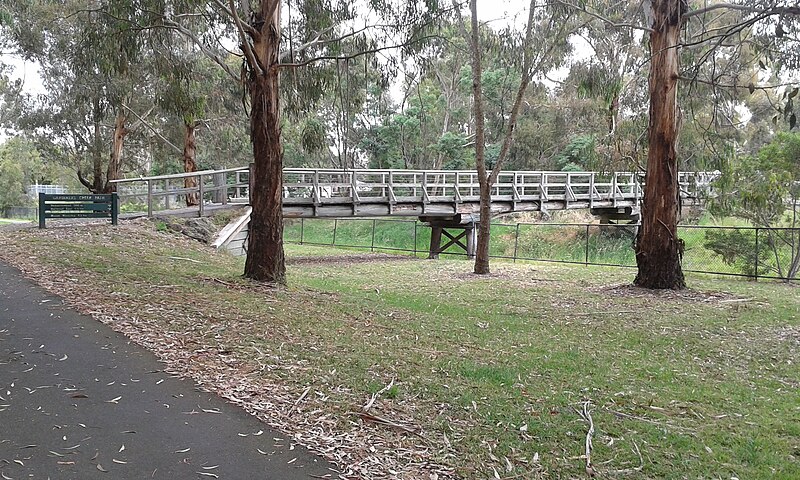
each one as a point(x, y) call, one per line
point(753, 252)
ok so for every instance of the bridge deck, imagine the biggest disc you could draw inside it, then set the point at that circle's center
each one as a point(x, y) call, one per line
point(369, 193)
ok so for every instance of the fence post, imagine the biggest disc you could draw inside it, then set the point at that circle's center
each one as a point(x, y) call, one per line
point(335, 224)
point(415, 239)
point(516, 243)
point(756, 269)
point(114, 208)
point(372, 246)
point(41, 210)
point(586, 255)
point(302, 224)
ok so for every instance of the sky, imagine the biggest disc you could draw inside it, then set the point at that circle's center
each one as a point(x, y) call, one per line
point(496, 13)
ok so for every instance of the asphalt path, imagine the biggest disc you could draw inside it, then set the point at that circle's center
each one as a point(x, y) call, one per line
point(79, 401)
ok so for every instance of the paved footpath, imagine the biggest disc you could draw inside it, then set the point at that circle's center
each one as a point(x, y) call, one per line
point(78, 401)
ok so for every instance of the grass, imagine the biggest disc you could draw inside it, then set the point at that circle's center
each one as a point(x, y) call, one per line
point(574, 243)
point(9, 221)
point(702, 384)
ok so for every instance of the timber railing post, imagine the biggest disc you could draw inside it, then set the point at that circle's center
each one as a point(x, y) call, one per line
point(516, 243)
point(201, 192)
point(149, 198)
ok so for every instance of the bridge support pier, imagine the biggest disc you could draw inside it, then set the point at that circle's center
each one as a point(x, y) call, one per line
point(618, 216)
point(466, 236)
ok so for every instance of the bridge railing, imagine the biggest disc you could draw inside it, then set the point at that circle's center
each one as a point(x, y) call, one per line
point(429, 186)
point(165, 192)
point(331, 186)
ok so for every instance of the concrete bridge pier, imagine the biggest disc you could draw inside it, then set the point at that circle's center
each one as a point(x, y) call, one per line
point(458, 231)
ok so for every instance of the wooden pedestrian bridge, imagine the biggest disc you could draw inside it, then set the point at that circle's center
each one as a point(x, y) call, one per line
point(442, 198)
point(331, 193)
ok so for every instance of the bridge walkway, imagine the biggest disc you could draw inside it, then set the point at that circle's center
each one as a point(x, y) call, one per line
point(445, 199)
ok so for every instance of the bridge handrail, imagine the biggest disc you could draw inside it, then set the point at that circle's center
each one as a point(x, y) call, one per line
point(327, 185)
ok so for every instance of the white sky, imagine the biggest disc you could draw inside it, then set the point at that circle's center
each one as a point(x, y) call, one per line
point(497, 13)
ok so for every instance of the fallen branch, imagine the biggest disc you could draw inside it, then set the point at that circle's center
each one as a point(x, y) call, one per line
point(647, 420)
point(300, 399)
point(185, 259)
point(587, 415)
point(375, 396)
point(625, 471)
point(368, 417)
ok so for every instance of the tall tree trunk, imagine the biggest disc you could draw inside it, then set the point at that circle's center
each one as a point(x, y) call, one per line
point(485, 178)
point(482, 248)
point(658, 248)
point(115, 162)
point(96, 185)
point(189, 162)
point(484, 229)
point(265, 256)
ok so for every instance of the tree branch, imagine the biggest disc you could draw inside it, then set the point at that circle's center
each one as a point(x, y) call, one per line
point(603, 19)
point(354, 55)
point(189, 34)
point(527, 62)
point(246, 47)
point(743, 8)
point(142, 121)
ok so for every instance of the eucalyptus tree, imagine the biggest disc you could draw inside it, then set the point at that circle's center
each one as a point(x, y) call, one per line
point(543, 45)
point(318, 32)
point(658, 247)
point(89, 60)
point(708, 44)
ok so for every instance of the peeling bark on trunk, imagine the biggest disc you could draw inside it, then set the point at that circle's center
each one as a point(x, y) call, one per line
point(265, 256)
point(115, 162)
point(658, 248)
point(96, 185)
point(189, 163)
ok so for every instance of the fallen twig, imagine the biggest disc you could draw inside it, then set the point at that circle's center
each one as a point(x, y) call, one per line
point(185, 259)
point(647, 420)
point(625, 471)
point(300, 399)
point(587, 415)
point(368, 417)
point(609, 312)
point(375, 395)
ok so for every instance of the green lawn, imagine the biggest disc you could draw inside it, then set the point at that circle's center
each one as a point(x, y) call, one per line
point(492, 370)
